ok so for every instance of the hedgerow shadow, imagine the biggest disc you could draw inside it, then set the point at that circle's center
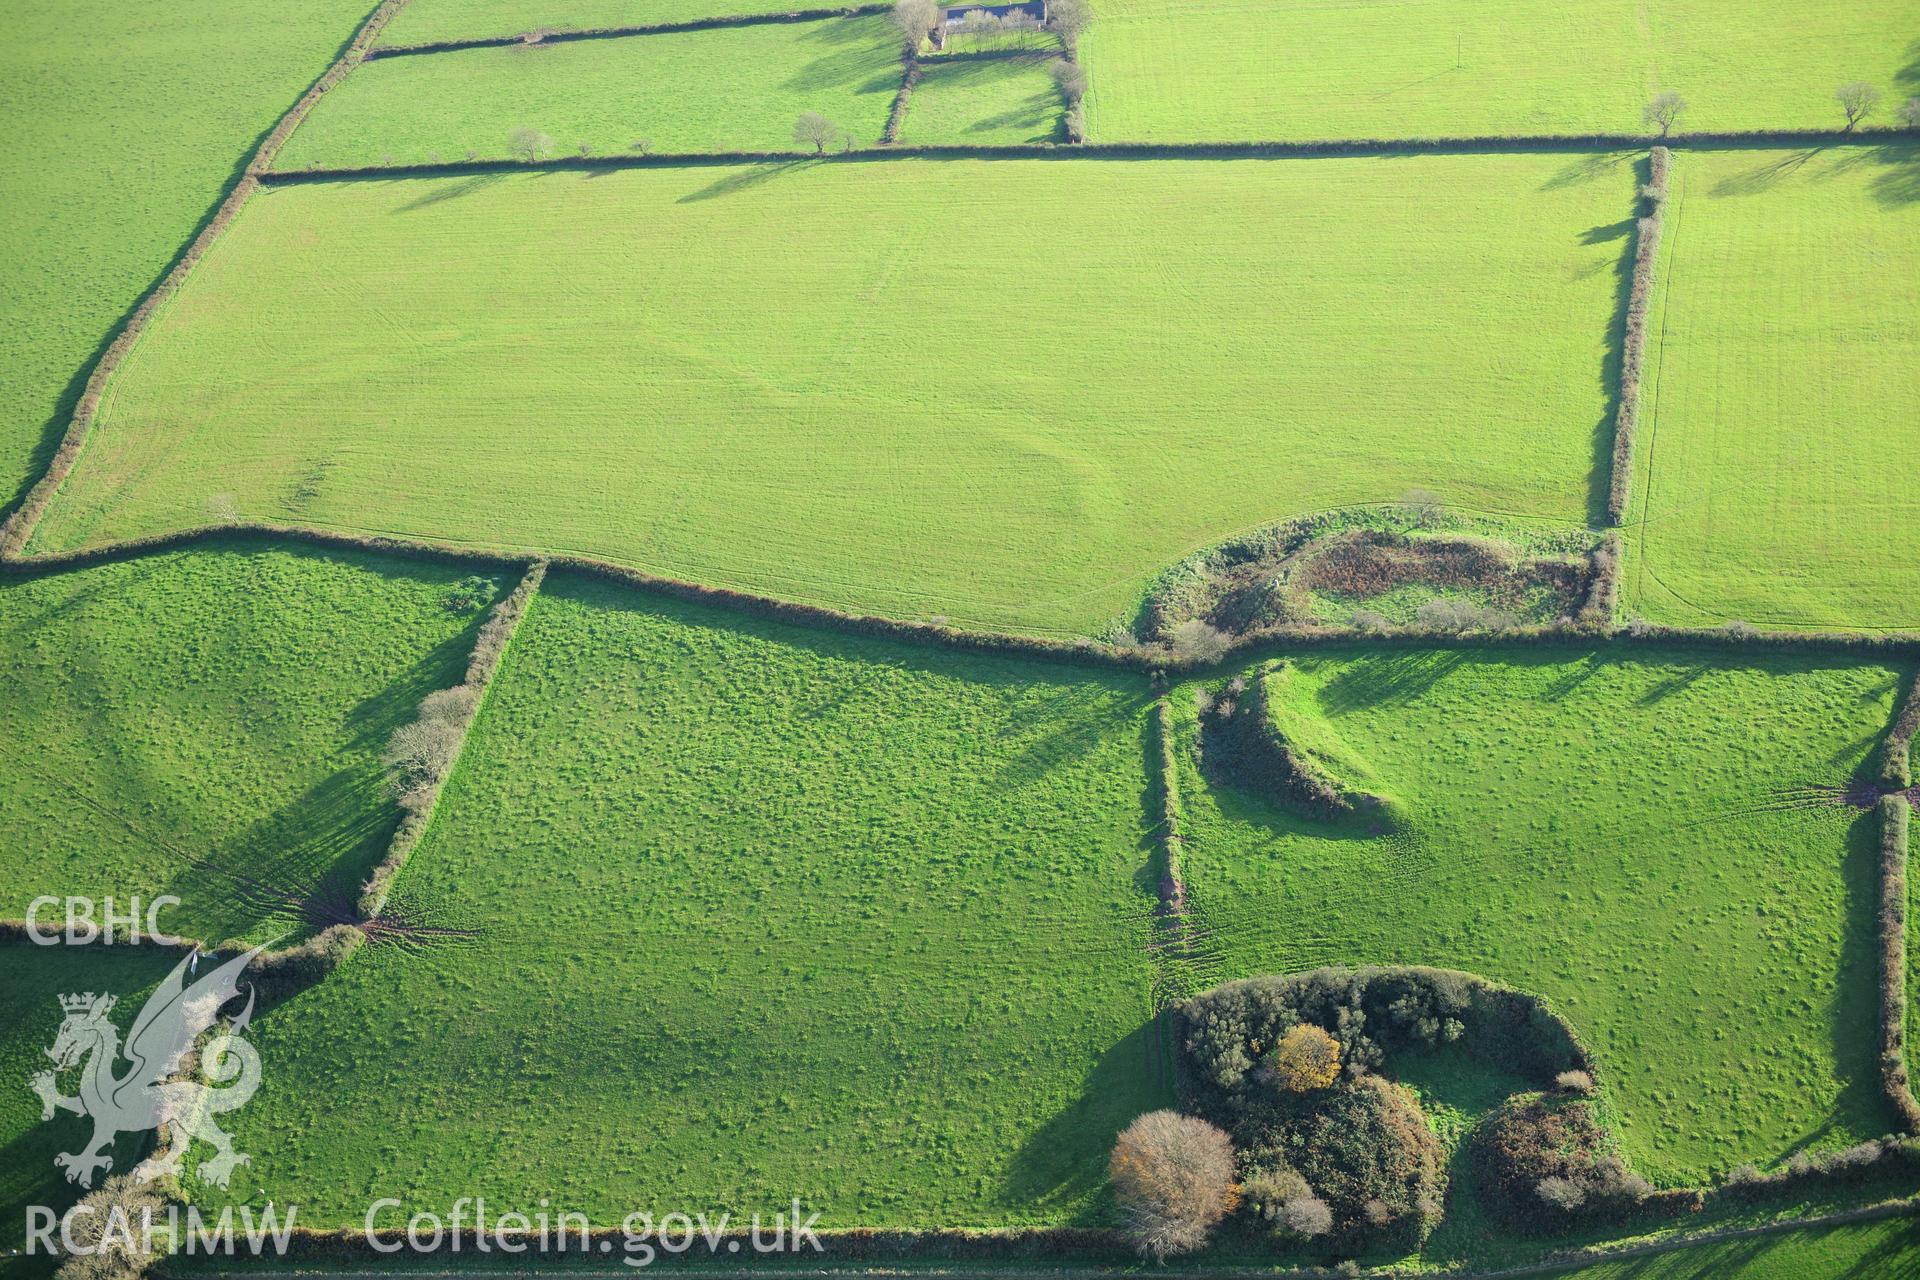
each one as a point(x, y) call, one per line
point(1764, 177)
point(1900, 184)
point(445, 191)
point(852, 65)
point(734, 181)
point(1064, 1162)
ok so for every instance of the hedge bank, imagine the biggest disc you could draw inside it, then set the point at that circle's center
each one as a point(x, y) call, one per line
point(1626, 416)
point(1894, 1080)
point(1547, 143)
point(417, 809)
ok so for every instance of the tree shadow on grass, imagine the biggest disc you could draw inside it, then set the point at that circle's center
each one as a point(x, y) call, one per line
point(304, 861)
point(441, 192)
point(1764, 177)
point(1586, 168)
point(1899, 185)
point(1678, 682)
point(1860, 1108)
point(735, 181)
point(1389, 679)
point(1064, 1162)
point(860, 60)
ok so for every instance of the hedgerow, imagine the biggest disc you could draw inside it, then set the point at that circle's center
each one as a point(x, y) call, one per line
point(1627, 411)
point(909, 77)
point(1896, 754)
point(422, 753)
point(279, 975)
point(1894, 1080)
point(1095, 151)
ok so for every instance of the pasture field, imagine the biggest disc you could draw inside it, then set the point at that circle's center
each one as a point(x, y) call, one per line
point(1776, 479)
point(761, 912)
point(1638, 837)
point(800, 379)
point(32, 980)
point(984, 101)
point(127, 123)
point(427, 21)
point(209, 723)
point(732, 89)
point(1860, 1250)
point(1255, 70)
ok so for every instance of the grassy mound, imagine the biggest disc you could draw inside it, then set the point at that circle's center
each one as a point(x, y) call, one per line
point(1266, 732)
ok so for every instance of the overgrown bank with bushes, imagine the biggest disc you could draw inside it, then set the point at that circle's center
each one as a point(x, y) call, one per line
point(1646, 249)
point(1327, 1149)
point(1370, 570)
point(423, 752)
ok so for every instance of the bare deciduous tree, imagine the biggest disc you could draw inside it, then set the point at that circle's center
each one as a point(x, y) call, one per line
point(528, 143)
point(1173, 1177)
point(1664, 110)
point(1424, 507)
point(1198, 641)
point(1910, 113)
point(1858, 100)
point(914, 18)
point(1306, 1216)
point(1069, 19)
point(815, 130)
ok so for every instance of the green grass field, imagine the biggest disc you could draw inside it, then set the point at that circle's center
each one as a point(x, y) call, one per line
point(128, 123)
point(762, 913)
point(32, 979)
point(1170, 71)
point(426, 21)
point(1628, 836)
point(734, 89)
point(801, 379)
point(208, 723)
point(1861, 1251)
point(1776, 479)
point(984, 101)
